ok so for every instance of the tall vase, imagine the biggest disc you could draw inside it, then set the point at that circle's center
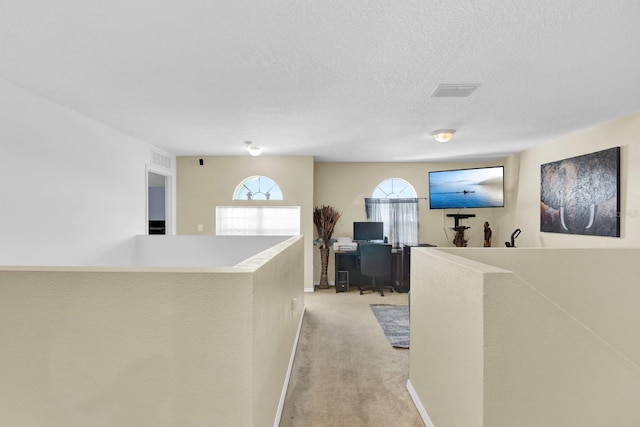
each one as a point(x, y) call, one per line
point(324, 264)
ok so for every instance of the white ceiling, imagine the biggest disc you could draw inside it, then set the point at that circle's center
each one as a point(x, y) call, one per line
point(338, 80)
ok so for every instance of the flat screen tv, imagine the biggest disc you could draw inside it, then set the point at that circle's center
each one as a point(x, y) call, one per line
point(467, 188)
point(367, 231)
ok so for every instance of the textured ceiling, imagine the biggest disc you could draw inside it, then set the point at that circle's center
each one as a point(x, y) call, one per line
point(338, 80)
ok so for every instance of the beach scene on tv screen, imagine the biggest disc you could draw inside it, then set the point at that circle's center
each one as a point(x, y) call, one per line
point(466, 188)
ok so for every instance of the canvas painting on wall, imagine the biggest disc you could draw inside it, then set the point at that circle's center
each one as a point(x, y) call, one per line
point(580, 195)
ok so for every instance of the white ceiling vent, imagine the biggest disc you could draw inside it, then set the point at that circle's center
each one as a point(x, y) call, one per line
point(160, 159)
point(454, 90)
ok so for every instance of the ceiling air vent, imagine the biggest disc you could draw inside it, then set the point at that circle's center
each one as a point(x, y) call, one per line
point(454, 90)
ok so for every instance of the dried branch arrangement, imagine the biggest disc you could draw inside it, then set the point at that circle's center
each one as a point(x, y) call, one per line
point(325, 219)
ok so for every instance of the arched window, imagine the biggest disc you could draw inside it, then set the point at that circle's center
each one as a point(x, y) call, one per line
point(258, 188)
point(394, 202)
point(263, 219)
point(394, 188)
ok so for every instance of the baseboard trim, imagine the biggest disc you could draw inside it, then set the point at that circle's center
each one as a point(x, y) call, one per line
point(419, 406)
point(317, 282)
point(285, 387)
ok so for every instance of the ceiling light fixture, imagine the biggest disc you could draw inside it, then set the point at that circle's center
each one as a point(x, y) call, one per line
point(443, 135)
point(253, 150)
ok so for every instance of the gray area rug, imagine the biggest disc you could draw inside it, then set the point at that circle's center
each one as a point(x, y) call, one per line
point(394, 321)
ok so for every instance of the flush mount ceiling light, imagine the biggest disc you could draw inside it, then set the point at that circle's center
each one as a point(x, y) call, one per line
point(253, 150)
point(443, 135)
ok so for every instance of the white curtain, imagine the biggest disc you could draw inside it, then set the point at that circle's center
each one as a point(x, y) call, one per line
point(400, 218)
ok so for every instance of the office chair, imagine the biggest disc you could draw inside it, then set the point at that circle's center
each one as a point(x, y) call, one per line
point(375, 261)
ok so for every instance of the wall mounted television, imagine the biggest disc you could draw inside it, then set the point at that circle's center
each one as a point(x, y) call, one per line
point(467, 188)
point(368, 231)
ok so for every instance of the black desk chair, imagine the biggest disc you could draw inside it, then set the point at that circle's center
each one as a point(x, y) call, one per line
point(375, 261)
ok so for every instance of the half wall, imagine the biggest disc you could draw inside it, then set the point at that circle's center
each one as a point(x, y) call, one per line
point(147, 345)
point(552, 341)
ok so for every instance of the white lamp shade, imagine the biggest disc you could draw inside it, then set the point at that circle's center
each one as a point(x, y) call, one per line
point(255, 151)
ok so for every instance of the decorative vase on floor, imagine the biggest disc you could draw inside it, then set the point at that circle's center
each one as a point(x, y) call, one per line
point(324, 267)
point(325, 219)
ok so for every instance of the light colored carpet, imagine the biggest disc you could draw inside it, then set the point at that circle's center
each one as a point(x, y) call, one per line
point(345, 372)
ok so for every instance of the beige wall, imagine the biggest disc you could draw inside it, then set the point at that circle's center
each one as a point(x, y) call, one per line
point(447, 354)
point(531, 351)
point(278, 305)
point(201, 188)
point(606, 301)
point(346, 185)
point(524, 208)
point(559, 344)
point(134, 346)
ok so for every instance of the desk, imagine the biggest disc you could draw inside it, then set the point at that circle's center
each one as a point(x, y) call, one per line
point(348, 261)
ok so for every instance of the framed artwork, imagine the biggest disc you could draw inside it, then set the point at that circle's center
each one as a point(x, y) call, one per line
point(581, 195)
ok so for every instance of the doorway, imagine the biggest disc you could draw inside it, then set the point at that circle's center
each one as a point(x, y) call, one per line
point(158, 199)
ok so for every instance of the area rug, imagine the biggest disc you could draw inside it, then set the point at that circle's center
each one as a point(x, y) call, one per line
point(394, 321)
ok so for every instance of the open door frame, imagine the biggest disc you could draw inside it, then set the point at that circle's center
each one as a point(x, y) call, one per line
point(169, 198)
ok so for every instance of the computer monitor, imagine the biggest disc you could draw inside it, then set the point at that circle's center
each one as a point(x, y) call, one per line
point(367, 231)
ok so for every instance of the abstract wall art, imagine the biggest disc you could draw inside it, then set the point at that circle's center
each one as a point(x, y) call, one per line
point(581, 195)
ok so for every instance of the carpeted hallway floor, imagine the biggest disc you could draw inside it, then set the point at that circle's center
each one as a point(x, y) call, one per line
point(345, 371)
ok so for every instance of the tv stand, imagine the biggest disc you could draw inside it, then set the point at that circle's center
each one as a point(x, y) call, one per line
point(458, 217)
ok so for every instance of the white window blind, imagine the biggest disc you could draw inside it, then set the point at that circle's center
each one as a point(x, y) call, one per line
point(257, 220)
